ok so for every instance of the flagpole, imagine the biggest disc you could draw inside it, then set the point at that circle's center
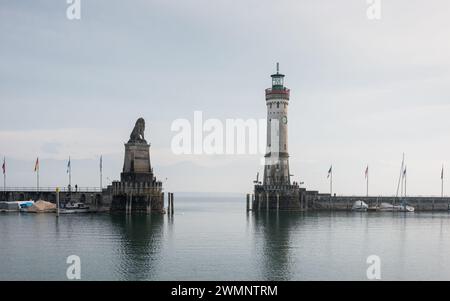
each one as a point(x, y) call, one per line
point(367, 181)
point(101, 173)
point(70, 175)
point(331, 181)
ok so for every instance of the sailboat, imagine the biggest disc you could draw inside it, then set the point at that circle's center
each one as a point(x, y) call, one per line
point(403, 207)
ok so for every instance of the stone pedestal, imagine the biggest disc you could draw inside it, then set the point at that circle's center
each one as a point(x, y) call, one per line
point(136, 166)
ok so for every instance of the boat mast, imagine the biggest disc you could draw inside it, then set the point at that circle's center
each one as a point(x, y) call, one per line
point(400, 179)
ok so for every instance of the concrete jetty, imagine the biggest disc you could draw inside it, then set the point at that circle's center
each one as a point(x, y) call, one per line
point(313, 200)
point(97, 199)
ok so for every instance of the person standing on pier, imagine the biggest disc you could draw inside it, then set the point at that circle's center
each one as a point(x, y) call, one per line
point(4, 173)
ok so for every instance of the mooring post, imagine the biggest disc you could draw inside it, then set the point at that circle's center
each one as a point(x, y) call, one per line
point(248, 202)
point(168, 203)
point(57, 201)
point(172, 206)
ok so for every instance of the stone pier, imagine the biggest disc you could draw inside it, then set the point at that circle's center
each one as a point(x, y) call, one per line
point(301, 200)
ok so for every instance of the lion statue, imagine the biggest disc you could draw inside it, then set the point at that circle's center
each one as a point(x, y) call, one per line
point(137, 135)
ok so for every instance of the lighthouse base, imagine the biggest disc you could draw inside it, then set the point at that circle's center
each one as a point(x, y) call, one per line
point(275, 197)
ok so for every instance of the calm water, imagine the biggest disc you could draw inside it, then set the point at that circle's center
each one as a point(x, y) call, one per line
point(214, 239)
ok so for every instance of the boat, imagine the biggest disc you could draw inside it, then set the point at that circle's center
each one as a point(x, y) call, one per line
point(16, 206)
point(360, 206)
point(386, 207)
point(75, 208)
point(402, 207)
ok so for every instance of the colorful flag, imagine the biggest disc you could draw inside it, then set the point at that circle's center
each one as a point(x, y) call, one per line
point(68, 166)
point(367, 171)
point(4, 166)
point(330, 171)
point(36, 165)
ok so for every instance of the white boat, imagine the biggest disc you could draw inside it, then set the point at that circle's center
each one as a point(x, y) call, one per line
point(409, 208)
point(16, 205)
point(75, 208)
point(360, 206)
point(386, 207)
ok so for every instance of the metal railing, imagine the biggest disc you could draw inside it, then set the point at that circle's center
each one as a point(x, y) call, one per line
point(50, 189)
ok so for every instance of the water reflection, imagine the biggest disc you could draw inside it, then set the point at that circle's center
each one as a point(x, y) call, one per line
point(273, 242)
point(139, 247)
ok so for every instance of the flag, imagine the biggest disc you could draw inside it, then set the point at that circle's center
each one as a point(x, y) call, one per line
point(4, 166)
point(404, 172)
point(68, 166)
point(330, 171)
point(101, 163)
point(442, 173)
point(36, 165)
point(367, 172)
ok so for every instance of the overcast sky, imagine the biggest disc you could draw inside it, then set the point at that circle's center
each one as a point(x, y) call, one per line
point(362, 91)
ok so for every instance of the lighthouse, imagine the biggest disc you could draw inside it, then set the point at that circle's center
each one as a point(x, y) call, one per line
point(276, 170)
point(276, 191)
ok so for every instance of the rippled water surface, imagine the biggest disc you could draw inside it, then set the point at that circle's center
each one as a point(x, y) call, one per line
point(215, 239)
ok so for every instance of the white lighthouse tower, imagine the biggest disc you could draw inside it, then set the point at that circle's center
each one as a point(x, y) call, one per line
point(276, 170)
point(277, 191)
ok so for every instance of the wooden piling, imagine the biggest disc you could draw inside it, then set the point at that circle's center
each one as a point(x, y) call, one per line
point(168, 203)
point(248, 202)
point(57, 202)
